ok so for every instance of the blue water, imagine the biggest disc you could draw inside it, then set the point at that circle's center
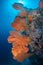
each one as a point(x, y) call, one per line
point(7, 15)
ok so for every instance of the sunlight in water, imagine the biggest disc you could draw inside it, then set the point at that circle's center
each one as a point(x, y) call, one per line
point(20, 1)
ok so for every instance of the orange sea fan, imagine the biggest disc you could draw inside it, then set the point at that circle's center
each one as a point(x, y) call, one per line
point(19, 43)
point(21, 56)
point(19, 38)
point(23, 13)
point(30, 18)
point(19, 49)
point(20, 24)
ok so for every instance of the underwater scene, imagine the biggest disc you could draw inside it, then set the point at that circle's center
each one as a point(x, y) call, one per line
point(21, 32)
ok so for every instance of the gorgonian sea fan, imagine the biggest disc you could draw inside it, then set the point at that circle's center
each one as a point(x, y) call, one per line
point(19, 43)
point(27, 38)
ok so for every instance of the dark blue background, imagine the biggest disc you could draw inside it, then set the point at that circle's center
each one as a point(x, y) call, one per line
point(7, 15)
